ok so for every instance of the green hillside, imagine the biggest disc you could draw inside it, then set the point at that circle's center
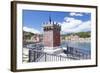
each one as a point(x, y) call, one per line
point(80, 34)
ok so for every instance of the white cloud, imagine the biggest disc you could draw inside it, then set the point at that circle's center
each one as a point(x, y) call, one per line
point(85, 26)
point(70, 22)
point(76, 14)
point(32, 30)
point(74, 25)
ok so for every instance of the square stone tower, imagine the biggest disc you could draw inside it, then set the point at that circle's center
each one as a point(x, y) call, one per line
point(51, 35)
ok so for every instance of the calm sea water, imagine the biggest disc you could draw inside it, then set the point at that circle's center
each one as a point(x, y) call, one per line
point(84, 46)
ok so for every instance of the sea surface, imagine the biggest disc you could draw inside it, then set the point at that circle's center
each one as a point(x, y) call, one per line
point(83, 46)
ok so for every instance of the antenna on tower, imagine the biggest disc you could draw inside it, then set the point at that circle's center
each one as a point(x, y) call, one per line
point(50, 19)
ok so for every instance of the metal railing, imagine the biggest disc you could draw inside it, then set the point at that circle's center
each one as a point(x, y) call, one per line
point(78, 53)
point(40, 56)
point(70, 54)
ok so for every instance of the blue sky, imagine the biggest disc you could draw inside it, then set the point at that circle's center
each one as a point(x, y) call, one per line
point(70, 21)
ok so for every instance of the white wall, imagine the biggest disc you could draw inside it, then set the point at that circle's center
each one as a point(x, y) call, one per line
point(5, 37)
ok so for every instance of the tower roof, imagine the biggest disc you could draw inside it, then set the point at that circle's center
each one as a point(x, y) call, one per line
point(51, 25)
point(50, 22)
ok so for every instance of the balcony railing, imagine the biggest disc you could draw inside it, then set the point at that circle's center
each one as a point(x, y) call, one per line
point(40, 56)
point(69, 54)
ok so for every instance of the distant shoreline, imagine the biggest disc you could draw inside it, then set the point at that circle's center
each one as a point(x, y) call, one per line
point(83, 40)
point(79, 40)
